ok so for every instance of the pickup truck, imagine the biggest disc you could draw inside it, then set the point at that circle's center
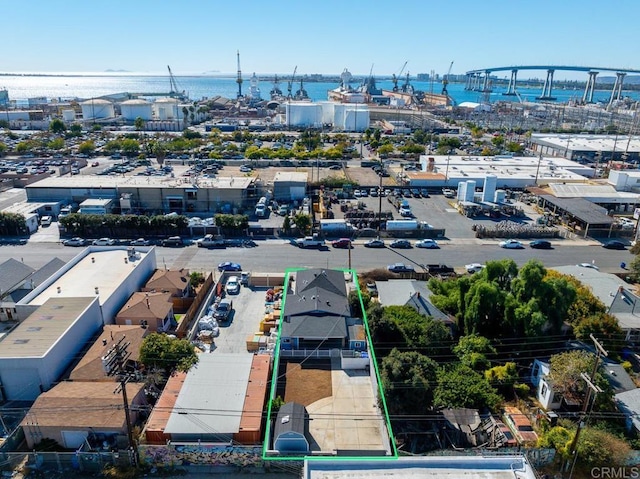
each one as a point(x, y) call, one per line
point(210, 241)
point(309, 242)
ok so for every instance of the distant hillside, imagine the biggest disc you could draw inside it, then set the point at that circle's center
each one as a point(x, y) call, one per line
point(628, 80)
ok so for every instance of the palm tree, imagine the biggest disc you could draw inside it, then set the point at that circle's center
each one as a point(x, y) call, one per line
point(185, 115)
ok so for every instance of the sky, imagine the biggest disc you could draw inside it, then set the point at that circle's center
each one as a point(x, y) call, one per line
point(321, 36)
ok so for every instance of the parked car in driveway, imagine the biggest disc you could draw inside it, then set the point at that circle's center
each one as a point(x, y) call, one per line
point(400, 268)
point(427, 243)
point(77, 241)
point(511, 244)
point(473, 267)
point(222, 310)
point(233, 285)
point(104, 242)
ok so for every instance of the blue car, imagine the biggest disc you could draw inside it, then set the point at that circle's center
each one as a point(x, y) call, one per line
point(229, 266)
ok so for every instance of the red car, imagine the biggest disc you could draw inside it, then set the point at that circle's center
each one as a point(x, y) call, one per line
point(342, 243)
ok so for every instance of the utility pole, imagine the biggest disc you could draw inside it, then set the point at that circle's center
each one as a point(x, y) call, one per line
point(591, 386)
point(114, 365)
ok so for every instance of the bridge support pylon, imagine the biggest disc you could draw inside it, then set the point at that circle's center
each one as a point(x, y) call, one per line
point(511, 88)
point(616, 91)
point(547, 88)
point(587, 97)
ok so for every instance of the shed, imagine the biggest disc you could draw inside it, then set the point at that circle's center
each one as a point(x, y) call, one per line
point(289, 431)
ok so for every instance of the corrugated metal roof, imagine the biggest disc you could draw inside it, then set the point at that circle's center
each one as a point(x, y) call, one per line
point(582, 209)
point(212, 397)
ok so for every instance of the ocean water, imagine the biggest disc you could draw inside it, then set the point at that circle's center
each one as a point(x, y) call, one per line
point(85, 86)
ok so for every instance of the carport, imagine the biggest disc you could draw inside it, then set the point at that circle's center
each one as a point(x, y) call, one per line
point(581, 215)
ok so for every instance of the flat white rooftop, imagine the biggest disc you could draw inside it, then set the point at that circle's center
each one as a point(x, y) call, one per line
point(103, 267)
point(447, 467)
point(212, 397)
point(112, 182)
point(43, 328)
point(594, 143)
point(461, 168)
point(293, 176)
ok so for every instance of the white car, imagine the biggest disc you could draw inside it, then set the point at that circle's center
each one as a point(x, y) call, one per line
point(245, 168)
point(75, 242)
point(473, 267)
point(511, 244)
point(427, 243)
point(588, 265)
point(233, 285)
point(104, 242)
point(139, 242)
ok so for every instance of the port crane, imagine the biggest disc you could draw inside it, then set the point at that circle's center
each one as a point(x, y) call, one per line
point(445, 80)
point(239, 78)
point(174, 90)
point(394, 78)
point(290, 83)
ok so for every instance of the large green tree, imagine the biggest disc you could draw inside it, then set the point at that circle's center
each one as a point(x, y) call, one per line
point(460, 386)
point(408, 380)
point(474, 351)
point(160, 351)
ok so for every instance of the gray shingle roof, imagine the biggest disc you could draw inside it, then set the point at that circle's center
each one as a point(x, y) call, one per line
point(315, 327)
point(326, 279)
point(12, 273)
point(316, 301)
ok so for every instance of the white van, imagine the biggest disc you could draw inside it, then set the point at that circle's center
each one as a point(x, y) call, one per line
point(46, 221)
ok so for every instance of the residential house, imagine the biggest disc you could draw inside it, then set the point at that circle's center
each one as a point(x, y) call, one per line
point(175, 282)
point(73, 410)
point(13, 276)
point(628, 403)
point(152, 310)
point(462, 428)
point(90, 367)
point(550, 399)
point(11, 270)
point(413, 293)
point(317, 314)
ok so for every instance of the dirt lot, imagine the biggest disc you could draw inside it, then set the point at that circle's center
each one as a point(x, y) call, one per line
point(305, 385)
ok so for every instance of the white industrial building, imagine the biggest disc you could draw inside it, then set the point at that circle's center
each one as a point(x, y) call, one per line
point(602, 147)
point(303, 114)
point(509, 171)
point(37, 351)
point(97, 109)
point(109, 273)
point(61, 314)
point(289, 186)
point(136, 108)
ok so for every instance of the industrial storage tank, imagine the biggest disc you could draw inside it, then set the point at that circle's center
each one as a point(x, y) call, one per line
point(303, 114)
point(328, 108)
point(356, 119)
point(166, 109)
point(137, 108)
point(489, 189)
point(69, 115)
point(97, 109)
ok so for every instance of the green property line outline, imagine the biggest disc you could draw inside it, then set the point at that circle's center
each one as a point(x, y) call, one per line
point(275, 375)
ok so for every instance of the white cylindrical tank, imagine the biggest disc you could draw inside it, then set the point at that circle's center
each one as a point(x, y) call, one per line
point(470, 190)
point(136, 108)
point(68, 115)
point(166, 109)
point(356, 118)
point(303, 114)
point(328, 109)
point(97, 109)
point(500, 196)
point(489, 189)
point(338, 115)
